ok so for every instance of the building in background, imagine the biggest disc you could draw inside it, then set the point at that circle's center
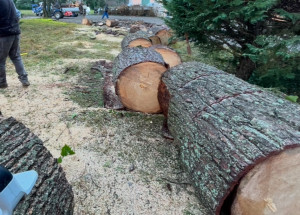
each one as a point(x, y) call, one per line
point(158, 8)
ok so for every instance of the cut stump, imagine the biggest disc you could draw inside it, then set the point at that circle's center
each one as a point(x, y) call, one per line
point(21, 150)
point(137, 73)
point(228, 129)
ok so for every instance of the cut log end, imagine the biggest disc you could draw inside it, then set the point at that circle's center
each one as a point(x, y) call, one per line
point(111, 23)
point(155, 40)
point(271, 187)
point(86, 21)
point(140, 42)
point(164, 36)
point(169, 56)
point(137, 87)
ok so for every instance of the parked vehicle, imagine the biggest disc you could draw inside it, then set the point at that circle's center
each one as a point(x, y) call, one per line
point(58, 13)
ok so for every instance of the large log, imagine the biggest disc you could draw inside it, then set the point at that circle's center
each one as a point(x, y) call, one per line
point(228, 131)
point(137, 72)
point(21, 150)
point(139, 38)
point(170, 56)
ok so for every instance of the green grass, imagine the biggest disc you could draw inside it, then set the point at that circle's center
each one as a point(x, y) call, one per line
point(45, 41)
point(27, 13)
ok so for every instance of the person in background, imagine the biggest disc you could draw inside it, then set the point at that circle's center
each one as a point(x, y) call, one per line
point(10, 42)
point(105, 12)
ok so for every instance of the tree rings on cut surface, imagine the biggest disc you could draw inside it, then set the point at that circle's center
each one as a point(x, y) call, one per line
point(139, 38)
point(169, 55)
point(137, 73)
point(272, 187)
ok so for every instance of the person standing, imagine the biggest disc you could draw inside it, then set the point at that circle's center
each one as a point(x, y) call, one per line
point(10, 42)
point(105, 12)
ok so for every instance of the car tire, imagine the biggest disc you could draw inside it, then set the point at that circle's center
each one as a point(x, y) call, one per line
point(58, 15)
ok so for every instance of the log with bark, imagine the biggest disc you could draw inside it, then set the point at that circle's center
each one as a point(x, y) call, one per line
point(111, 23)
point(137, 72)
point(163, 33)
point(139, 38)
point(170, 56)
point(21, 150)
point(239, 143)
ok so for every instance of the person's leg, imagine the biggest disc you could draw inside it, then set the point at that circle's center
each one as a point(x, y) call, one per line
point(107, 15)
point(5, 45)
point(15, 57)
point(103, 15)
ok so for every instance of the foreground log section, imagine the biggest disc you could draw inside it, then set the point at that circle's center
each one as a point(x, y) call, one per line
point(21, 150)
point(227, 129)
point(139, 38)
point(137, 72)
point(169, 55)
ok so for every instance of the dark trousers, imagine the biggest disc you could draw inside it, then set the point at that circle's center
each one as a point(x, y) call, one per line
point(10, 47)
point(105, 14)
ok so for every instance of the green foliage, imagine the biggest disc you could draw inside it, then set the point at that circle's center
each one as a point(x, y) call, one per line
point(292, 98)
point(267, 32)
point(65, 151)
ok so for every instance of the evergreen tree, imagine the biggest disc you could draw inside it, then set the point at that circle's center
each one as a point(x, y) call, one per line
point(256, 32)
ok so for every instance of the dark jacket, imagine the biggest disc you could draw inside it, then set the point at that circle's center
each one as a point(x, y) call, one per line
point(9, 22)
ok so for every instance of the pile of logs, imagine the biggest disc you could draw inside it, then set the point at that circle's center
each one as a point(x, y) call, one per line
point(20, 151)
point(138, 69)
point(239, 143)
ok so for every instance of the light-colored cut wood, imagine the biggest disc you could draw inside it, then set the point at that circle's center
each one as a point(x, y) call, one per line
point(155, 40)
point(164, 36)
point(169, 56)
point(86, 21)
point(138, 87)
point(140, 42)
point(271, 188)
point(111, 23)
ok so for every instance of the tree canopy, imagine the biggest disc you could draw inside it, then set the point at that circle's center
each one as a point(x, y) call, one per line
point(263, 36)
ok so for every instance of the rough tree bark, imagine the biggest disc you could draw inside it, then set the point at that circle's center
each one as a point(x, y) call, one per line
point(21, 150)
point(139, 38)
point(137, 72)
point(225, 127)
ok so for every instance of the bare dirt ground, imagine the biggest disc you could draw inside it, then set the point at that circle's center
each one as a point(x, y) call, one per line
point(122, 164)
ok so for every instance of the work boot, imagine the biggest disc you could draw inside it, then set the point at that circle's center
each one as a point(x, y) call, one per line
point(3, 85)
point(25, 83)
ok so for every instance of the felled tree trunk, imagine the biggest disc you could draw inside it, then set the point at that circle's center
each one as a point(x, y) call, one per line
point(137, 72)
point(228, 129)
point(21, 150)
point(111, 23)
point(139, 38)
point(170, 56)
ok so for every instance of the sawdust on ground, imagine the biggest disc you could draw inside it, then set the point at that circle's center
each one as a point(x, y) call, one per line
point(103, 181)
